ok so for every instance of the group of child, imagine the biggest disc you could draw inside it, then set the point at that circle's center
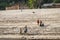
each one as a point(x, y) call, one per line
point(40, 23)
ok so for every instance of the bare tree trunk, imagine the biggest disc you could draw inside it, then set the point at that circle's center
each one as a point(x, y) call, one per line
point(39, 3)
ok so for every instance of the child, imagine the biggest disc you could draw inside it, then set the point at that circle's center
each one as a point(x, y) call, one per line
point(38, 21)
point(25, 29)
point(41, 23)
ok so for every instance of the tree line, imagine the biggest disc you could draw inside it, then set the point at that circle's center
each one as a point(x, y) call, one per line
point(29, 3)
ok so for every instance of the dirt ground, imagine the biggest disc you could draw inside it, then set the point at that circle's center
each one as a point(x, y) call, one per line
point(16, 18)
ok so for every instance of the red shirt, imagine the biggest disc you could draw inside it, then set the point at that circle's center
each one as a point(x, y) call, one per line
point(38, 21)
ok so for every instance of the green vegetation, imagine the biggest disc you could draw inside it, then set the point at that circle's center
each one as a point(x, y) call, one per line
point(30, 3)
point(48, 1)
point(3, 4)
point(57, 1)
